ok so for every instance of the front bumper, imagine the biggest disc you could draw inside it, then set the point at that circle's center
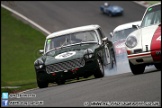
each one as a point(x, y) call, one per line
point(117, 13)
point(87, 70)
point(143, 58)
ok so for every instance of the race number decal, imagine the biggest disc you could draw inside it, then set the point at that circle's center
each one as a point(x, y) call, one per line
point(65, 55)
point(159, 38)
point(156, 45)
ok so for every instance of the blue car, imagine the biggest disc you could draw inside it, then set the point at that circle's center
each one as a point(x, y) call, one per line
point(111, 10)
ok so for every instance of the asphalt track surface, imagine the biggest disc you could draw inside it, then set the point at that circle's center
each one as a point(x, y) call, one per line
point(117, 85)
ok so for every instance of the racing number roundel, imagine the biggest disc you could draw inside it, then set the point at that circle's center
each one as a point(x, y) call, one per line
point(156, 45)
point(65, 55)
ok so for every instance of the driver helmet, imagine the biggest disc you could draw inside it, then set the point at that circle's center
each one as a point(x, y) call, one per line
point(105, 4)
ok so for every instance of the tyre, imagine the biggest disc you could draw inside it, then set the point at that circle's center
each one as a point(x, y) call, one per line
point(158, 66)
point(107, 56)
point(113, 58)
point(103, 12)
point(42, 84)
point(100, 69)
point(110, 14)
point(137, 69)
point(60, 81)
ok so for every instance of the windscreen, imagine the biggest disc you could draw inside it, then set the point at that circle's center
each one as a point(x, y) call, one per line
point(122, 34)
point(68, 39)
point(152, 16)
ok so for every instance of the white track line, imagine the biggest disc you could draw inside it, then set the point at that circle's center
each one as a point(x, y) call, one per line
point(28, 90)
point(142, 3)
point(27, 19)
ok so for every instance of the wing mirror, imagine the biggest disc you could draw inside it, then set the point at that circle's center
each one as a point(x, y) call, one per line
point(105, 40)
point(111, 34)
point(135, 26)
point(41, 51)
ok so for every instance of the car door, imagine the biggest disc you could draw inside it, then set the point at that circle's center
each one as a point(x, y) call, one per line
point(104, 48)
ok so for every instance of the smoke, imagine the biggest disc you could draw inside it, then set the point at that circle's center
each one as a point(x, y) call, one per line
point(122, 66)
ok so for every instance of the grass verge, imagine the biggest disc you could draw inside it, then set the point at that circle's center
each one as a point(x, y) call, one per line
point(152, 2)
point(19, 49)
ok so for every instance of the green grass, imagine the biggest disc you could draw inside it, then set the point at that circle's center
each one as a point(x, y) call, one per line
point(152, 2)
point(19, 49)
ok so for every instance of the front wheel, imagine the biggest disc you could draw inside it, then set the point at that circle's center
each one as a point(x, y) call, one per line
point(137, 69)
point(113, 58)
point(158, 66)
point(42, 84)
point(60, 81)
point(100, 69)
point(110, 14)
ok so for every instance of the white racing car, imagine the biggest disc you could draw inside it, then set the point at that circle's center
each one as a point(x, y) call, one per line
point(144, 45)
point(119, 36)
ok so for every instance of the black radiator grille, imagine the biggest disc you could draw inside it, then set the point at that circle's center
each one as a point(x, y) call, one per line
point(67, 65)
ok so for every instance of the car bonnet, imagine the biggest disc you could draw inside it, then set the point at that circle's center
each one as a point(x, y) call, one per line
point(144, 36)
point(147, 34)
point(113, 8)
point(68, 53)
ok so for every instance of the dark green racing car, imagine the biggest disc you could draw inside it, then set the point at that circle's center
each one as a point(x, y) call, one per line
point(73, 53)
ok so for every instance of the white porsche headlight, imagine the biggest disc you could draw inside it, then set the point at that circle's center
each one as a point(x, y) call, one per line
point(131, 42)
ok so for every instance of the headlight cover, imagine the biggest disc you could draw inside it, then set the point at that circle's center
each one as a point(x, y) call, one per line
point(38, 64)
point(88, 53)
point(131, 42)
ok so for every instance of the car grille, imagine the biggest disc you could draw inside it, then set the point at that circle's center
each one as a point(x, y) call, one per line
point(138, 51)
point(67, 65)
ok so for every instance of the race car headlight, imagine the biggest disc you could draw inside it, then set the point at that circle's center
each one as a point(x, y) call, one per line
point(38, 64)
point(39, 67)
point(131, 42)
point(88, 56)
point(88, 53)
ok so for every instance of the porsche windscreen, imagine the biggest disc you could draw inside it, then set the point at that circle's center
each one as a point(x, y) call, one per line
point(118, 35)
point(69, 39)
point(152, 16)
